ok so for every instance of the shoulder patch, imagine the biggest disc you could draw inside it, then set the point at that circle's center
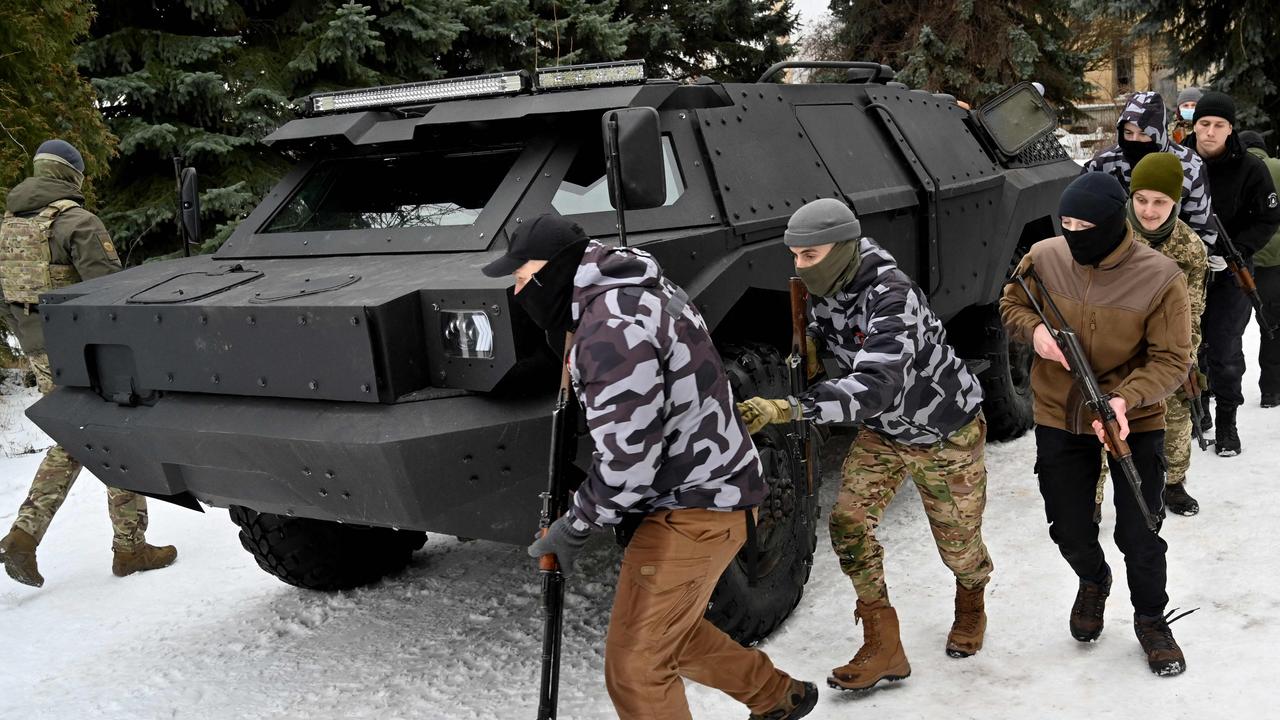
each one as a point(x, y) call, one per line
point(1272, 201)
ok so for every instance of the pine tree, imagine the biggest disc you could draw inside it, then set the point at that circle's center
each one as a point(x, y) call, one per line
point(41, 95)
point(728, 40)
point(970, 49)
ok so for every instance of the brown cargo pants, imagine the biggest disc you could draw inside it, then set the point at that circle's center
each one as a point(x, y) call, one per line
point(657, 634)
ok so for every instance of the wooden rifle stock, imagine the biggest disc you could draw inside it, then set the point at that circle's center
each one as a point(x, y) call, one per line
point(797, 369)
point(555, 502)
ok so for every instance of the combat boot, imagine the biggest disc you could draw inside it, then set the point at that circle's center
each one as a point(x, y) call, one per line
point(142, 557)
point(1164, 657)
point(18, 553)
point(881, 656)
point(799, 701)
point(1270, 400)
point(1227, 440)
point(970, 624)
point(1086, 613)
point(1179, 501)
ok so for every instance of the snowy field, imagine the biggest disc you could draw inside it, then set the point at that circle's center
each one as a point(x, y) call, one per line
point(458, 634)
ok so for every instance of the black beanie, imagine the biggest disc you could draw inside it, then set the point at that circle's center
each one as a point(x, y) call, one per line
point(1094, 197)
point(1252, 139)
point(1216, 104)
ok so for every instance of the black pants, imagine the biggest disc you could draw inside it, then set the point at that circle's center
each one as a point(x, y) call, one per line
point(1068, 466)
point(1268, 279)
point(1226, 314)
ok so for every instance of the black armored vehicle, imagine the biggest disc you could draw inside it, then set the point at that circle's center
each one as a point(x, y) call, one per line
point(341, 376)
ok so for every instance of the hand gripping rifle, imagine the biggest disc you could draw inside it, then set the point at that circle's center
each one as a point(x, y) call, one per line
point(1191, 388)
point(798, 371)
point(1069, 343)
point(555, 503)
point(1244, 279)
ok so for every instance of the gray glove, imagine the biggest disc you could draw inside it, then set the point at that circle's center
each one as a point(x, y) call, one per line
point(1216, 263)
point(561, 540)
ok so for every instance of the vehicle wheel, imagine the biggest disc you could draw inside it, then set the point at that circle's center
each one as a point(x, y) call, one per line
point(786, 523)
point(1006, 381)
point(322, 555)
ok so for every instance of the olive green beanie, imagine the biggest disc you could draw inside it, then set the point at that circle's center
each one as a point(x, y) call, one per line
point(1159, 171)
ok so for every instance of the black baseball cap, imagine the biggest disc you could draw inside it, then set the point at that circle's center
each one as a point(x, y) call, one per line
point(538, 239)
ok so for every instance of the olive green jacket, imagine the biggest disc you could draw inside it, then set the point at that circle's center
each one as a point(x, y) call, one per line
point(1269, 255)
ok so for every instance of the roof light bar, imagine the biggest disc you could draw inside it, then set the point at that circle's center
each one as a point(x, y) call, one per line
point(594, 75)
point(417, 93)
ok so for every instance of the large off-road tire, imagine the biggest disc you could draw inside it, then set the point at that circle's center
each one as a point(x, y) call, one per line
point(978, 334)
point(321, 555)
point(785, 528)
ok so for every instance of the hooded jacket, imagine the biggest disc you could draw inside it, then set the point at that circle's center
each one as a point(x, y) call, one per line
point(1244, 197)
point(77, 238)
point(901, 378)
point(1133, 318)
point(1146, 110)
point(656, 397)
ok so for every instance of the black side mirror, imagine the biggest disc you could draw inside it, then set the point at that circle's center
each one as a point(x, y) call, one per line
point(633, 148)
point(189, 194)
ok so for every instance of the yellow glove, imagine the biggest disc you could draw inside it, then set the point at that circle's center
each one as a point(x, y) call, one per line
point(757, 412)
point(813, 366)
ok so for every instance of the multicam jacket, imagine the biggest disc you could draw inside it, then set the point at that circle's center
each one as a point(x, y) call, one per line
point(1183, 246)
point(902, 378)
point(656, 398)
point(1146, 110)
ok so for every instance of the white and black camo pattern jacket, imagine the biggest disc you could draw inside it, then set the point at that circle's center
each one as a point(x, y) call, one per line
point(901, 377)
point(1146, 110)
point(655, 395)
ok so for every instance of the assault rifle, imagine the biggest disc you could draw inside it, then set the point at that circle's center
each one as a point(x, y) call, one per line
point(1191, 388)
point(1069, 343)
point(555, 503)
point(797, 369)
point(1244, 279)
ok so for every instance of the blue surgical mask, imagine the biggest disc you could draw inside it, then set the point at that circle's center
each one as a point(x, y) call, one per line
point(1187, 114)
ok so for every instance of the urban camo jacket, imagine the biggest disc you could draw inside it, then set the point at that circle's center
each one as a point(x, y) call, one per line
point(655, 396)
point(1146, 110)
point(901, 378)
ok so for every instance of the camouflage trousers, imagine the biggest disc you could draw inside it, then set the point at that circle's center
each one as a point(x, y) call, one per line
point(951, 477)
point(54, 478)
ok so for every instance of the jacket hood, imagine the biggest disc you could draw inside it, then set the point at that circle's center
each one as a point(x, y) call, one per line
point(1146, 110)
point(605, 268)
point(35, 193)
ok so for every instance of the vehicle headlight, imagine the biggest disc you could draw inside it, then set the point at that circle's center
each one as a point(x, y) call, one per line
point(466, 334)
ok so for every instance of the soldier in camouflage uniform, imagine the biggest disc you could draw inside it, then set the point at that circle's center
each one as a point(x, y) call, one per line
point(671, 459)
point(48, 240)
point(919, 411)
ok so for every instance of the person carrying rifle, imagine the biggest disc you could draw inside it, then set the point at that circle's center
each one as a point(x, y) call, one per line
point(1152, 213)
point(918, 408)
point(1244, 199)
point(671, 456)
point(1130, 308)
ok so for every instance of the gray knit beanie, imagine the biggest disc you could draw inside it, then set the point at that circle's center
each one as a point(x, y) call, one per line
point(823, 221)
point(1191, 94)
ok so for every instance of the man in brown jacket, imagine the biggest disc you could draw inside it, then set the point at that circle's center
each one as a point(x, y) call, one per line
point(1129, 305)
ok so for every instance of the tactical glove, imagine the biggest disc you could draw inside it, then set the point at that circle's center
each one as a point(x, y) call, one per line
point(813, 365)
point(561, 540)
point(757, 412)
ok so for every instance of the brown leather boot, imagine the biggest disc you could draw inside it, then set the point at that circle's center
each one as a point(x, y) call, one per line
point(881, 656)
point(18, 553)
point(970, 624)
point(142, 557)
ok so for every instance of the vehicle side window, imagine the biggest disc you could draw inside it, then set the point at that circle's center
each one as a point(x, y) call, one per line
point(584, 188)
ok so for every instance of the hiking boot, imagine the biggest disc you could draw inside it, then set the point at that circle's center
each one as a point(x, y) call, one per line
point(799, 701)
point(1086, 614)
point(1227, 443)
point(18, 553)
point(1270, 400)
point(1178, 501)
point(881, 656)
point(970, 624)
point(1164, 657)
point(142, 557)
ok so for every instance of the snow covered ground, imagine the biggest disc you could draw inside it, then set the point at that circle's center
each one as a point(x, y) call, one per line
point(457, 635)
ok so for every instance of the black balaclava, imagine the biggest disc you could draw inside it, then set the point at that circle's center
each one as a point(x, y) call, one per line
point(1100, 199)
point(1135, 150)
point(548, 296)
